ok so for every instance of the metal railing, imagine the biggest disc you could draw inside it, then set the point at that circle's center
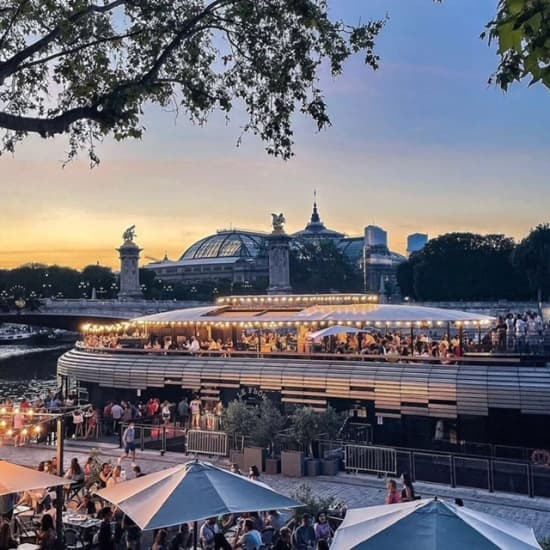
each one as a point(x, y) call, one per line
point(206, 442)
point(170, 437)
point(365, 458)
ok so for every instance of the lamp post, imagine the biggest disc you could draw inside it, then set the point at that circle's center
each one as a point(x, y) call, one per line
point(83, 288)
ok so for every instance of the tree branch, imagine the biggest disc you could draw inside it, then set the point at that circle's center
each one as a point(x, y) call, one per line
point(11, 65)
point(12, 21)
point(114, 38)
point(47, 127)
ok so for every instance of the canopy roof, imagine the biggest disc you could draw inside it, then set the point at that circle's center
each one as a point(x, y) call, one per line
point(191, 492)
point(296, 312)
point(429, 524)
point(15, 479)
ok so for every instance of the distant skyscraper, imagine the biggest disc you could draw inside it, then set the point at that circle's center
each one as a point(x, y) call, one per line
point(416, 242)
point(375, 236)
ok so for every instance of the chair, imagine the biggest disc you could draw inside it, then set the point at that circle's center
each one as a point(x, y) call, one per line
point(73, 540)
point(24, 525)
point(74, 491)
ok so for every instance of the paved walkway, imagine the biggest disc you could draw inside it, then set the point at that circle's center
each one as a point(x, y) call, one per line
point(355, 490)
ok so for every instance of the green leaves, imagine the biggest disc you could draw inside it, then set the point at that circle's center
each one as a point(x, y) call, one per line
point(87, 69)
point(522, 30)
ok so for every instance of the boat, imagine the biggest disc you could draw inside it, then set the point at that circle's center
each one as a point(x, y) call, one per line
point(17, 335)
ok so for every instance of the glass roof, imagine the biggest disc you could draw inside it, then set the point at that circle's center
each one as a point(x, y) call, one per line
point(226, 244)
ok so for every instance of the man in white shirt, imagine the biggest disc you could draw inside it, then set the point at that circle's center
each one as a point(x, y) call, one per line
point(116, 412)
point(208, 532)
point(194, 346)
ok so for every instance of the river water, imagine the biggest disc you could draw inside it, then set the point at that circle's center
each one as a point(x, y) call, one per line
point(28, 371)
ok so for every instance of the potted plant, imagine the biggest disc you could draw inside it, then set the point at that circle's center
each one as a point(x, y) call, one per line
point(264, 434)
point(307, 425)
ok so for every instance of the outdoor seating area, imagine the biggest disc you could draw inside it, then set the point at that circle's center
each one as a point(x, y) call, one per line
point(199, 505)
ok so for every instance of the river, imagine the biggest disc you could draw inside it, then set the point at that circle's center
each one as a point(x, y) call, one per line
point(28, 371)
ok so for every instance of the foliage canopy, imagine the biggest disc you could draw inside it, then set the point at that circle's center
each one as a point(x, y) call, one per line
point(88, 68)
point(463, 266)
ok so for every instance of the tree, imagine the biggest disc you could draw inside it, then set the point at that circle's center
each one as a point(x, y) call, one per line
point(238, 419)
point(463, 266)
point(522, 30)
point(88, 68)
point(319, 266)
point(307, 424)
point(269, 424)
point(532, 257)
point(98, 276)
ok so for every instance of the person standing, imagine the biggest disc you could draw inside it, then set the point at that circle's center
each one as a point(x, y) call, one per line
point(183, 412)
point(129, 443)
point(116, 414)
point(195, 407)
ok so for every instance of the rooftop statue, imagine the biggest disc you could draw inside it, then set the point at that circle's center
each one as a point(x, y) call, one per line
point(278, 222)
point(129, 234)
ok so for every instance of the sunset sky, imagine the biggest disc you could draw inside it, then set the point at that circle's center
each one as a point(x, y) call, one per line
point(423, 144)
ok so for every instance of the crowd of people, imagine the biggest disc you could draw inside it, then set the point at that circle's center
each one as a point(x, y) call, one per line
point(515, 332)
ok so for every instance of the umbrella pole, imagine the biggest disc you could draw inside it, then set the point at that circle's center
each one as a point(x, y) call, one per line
point(195, 533)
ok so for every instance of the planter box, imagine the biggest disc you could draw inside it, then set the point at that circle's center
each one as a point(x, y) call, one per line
point(272, 466)
point(237, 457)
point(313, 467)
point(329, 467)
point(292, 463)
point(254, 456)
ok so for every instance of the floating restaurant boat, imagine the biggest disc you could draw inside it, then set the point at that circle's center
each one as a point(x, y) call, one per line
point(270, 347)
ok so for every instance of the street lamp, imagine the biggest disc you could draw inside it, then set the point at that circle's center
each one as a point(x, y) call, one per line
point(83, 288)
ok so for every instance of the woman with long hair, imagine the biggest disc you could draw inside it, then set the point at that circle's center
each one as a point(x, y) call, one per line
point(407, 493)
point(46, 535)
point(392, 496)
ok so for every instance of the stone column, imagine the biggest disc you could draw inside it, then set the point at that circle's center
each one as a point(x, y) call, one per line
point(129, 270)
point(278, 244)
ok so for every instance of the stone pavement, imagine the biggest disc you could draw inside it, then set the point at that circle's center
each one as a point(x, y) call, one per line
point(354, 490)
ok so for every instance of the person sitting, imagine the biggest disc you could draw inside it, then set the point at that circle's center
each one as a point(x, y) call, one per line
point(284, 541)
point(46, 536)
point(253, 473)
point(407, 493)
point(161, 540)
point(322, 528)
point(86, 506)
point(392, 496)
point(76, 475)
point(208, 532)
point(116, 476)
point(104, 474)
point(303, 537)
point(250, 539)
point(6, 539)
point(183, 540)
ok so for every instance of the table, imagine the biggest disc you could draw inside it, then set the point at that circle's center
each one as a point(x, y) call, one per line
point(80, 522)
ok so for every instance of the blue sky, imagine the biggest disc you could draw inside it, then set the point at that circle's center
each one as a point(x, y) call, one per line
point(423, 144)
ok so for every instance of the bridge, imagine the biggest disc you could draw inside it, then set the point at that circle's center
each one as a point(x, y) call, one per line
point(72, 314)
